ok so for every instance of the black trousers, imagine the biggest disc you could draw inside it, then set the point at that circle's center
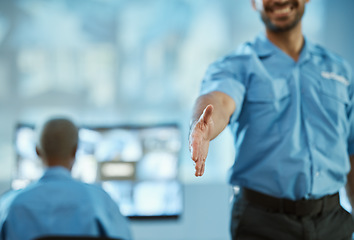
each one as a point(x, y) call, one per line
point(250, 222)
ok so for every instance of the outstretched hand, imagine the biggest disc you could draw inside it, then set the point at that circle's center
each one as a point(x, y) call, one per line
point(199, 139)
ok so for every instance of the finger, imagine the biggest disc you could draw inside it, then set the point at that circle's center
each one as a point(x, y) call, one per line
point(194, 153)
point(198, 167)
point(208, 111)
point(203, 169)
point(196, 149)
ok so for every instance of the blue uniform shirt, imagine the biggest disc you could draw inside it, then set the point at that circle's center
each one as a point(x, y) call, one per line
point(59, 205)
point(294, 121)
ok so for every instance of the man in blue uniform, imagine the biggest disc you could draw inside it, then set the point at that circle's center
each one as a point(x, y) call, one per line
point(290, 104)
point(57, 204)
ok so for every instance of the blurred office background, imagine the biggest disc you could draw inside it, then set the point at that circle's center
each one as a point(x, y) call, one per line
point(111, 62)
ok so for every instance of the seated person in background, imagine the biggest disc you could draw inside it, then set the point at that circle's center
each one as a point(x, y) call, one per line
point(58, 204)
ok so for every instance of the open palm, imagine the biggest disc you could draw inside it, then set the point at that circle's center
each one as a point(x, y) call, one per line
point(199, 139)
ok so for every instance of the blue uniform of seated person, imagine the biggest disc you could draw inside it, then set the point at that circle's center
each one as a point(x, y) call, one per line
point(57, 204)
point(290, 105)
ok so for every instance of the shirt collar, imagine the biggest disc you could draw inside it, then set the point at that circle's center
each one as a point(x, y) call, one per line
point(265, 48)
point(56, 172)
point(308, 50)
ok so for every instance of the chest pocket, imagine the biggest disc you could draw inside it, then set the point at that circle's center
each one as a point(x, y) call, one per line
point(267, 102)
point(335, 98)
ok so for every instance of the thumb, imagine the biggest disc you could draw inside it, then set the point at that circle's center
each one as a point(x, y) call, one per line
point(208, 111)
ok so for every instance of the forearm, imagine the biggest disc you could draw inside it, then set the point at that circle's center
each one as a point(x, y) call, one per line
point(350, 182)
point(223, 105)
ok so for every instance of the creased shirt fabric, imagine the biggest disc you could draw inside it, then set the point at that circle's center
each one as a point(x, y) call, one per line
point(294, 120)
point(57, 204)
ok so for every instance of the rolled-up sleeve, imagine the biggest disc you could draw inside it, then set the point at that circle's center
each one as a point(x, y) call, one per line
point(222, 76)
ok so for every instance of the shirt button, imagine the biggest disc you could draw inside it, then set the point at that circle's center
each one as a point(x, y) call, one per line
point(317, 174)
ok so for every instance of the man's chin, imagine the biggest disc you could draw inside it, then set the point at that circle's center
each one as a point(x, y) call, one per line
point(281, 27)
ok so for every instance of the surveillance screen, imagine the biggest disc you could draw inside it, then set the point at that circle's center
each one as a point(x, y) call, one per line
point(137, 166)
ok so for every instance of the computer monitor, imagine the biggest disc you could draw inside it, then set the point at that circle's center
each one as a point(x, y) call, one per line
point(136, 165)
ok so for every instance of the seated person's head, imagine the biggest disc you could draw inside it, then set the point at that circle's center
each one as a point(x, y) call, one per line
point(57, 143)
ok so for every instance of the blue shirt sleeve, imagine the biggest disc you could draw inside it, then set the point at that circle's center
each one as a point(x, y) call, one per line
point(5, 203)
point(222, 76)
point(350, 111)
point(114, 224)
point(117, 219)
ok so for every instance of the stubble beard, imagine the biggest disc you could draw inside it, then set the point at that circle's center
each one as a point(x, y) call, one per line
point(279, 29)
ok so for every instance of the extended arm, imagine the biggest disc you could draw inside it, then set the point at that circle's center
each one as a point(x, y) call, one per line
point(350, 182)
point(211, 115)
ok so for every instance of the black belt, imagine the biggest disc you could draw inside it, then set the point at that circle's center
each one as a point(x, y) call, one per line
point(301, 208)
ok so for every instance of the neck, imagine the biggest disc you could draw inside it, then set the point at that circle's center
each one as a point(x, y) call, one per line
point(290, 42)
point(59, 163)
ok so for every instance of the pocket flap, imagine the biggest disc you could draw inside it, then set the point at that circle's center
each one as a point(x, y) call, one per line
point(335, 89)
